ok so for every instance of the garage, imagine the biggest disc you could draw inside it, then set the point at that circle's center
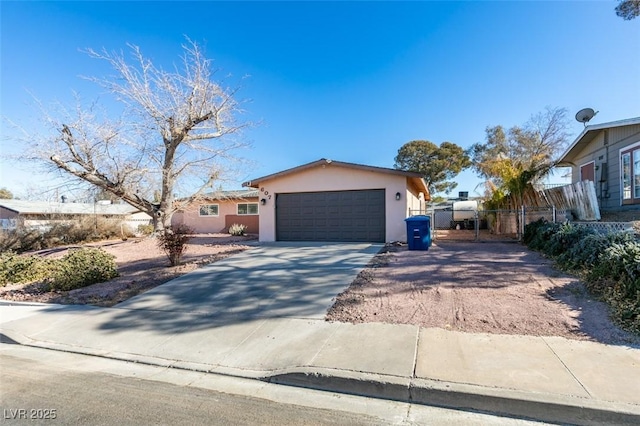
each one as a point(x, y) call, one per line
point(340, 216)
point(336, 201)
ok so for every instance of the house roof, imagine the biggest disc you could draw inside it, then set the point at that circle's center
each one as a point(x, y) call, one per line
point(237, 194)
point(415, 178)
point(587, 136)
point(45, 207)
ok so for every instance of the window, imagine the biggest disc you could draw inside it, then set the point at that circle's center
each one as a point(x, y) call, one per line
point(630, 175)
point(209, 210)
point(247, 208)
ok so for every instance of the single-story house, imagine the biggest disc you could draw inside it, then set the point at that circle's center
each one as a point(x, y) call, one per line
point(217, 211)
point(334, 201)
point(42, 214)
point(608, 154)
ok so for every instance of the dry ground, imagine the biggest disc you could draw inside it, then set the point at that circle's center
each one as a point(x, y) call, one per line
point(490, 287)
point(141, 264)
point(476, 287)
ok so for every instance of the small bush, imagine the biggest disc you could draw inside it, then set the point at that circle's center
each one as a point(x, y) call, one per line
point(83, 267)
point(537, 234)
point(565, 237)
point(145, 229)
point(18, 269)
point(237, 230)
point(173, 241)
point(21, 240)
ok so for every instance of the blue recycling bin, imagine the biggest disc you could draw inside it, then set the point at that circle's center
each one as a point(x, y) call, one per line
point(418, 232)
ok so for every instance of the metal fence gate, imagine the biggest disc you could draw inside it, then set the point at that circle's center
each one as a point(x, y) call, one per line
point(487, 225)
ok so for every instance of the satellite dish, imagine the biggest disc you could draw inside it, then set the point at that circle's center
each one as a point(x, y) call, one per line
point(585, 114)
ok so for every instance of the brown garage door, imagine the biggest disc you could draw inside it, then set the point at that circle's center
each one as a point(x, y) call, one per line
point(341, 216)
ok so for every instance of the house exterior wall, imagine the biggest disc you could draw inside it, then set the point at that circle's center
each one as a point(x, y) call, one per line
point(7, 214)
point(606, 158)
point(8, 219)
point(336, 178)
point(213, 224)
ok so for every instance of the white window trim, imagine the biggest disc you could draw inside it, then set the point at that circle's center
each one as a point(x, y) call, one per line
point(586, 164)
point(248, 214)
point(631, 147)
point(209, 215)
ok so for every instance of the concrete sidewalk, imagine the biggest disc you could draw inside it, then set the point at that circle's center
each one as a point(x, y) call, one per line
point(544, 378)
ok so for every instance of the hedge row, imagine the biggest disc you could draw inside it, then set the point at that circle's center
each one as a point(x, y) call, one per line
point(608, 263)
point(78, 268)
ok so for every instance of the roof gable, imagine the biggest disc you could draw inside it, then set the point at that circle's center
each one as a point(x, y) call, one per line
point(588, 134)
point(255, 183)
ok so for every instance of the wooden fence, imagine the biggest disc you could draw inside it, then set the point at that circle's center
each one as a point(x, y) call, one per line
point(580, 198)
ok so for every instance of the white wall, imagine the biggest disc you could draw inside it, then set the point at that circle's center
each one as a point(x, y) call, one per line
point(329, 177)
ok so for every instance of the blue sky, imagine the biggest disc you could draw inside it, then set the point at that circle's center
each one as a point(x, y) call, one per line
point(350, 81)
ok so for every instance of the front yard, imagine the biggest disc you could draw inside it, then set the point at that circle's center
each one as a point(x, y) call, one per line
point(141, 267)
point(486, 287)
point(501, 288)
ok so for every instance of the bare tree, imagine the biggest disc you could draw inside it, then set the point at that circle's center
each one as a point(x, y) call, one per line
point(176, 129)
point(513, 160)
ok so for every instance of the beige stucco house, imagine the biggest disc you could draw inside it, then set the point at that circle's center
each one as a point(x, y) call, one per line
point(608, 154)
point(336, 201)
point(217, 211)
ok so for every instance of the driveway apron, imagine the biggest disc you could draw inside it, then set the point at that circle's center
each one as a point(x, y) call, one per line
point(277, 280)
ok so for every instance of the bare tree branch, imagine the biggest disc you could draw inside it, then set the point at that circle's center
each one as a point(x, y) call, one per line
point(175, 126)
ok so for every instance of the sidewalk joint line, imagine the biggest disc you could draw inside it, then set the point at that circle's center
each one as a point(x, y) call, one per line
point(415, 355)
point(324, 344)
point(566, 367)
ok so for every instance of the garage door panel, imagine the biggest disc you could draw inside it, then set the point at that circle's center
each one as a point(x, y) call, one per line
point(331, 216)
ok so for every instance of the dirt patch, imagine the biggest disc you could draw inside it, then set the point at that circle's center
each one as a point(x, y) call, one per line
point(500, 288)
point(141, 265)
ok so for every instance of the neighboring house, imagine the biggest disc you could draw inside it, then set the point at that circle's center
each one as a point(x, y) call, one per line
point(217, 211)
point(334, 201)
point(43, 214)
point(608, 154)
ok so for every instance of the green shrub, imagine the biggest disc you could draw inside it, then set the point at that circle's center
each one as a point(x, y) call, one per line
point(537, 234)
point(565, 237)
point(237, 230)
point(619, 263)
point(173, 241)
point(18, 269)
point(609, 263)
point(83, 267)
point(586, 253)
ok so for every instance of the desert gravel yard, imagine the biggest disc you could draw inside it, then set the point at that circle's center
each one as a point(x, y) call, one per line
point(501, 288)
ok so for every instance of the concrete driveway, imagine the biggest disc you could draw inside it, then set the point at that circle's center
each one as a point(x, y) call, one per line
point(279, 280)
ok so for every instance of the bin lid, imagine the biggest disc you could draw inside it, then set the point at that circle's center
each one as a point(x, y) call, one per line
point(418, 218)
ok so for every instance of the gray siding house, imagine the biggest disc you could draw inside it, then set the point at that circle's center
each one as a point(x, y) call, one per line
point(608, 154)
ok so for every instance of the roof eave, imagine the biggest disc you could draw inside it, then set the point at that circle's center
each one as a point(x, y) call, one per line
point(255, 183)
point(593, 129)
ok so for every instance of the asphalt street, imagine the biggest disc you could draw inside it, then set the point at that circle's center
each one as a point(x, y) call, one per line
point(48, 387)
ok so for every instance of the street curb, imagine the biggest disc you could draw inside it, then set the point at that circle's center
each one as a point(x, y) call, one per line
point(506, 402)
point(551, 408)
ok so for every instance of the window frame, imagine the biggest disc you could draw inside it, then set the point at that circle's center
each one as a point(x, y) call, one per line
point(632, 151)
point(247, 213)
point(217, 206)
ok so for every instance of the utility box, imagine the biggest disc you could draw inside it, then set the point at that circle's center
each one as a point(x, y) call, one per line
point(418, 232)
